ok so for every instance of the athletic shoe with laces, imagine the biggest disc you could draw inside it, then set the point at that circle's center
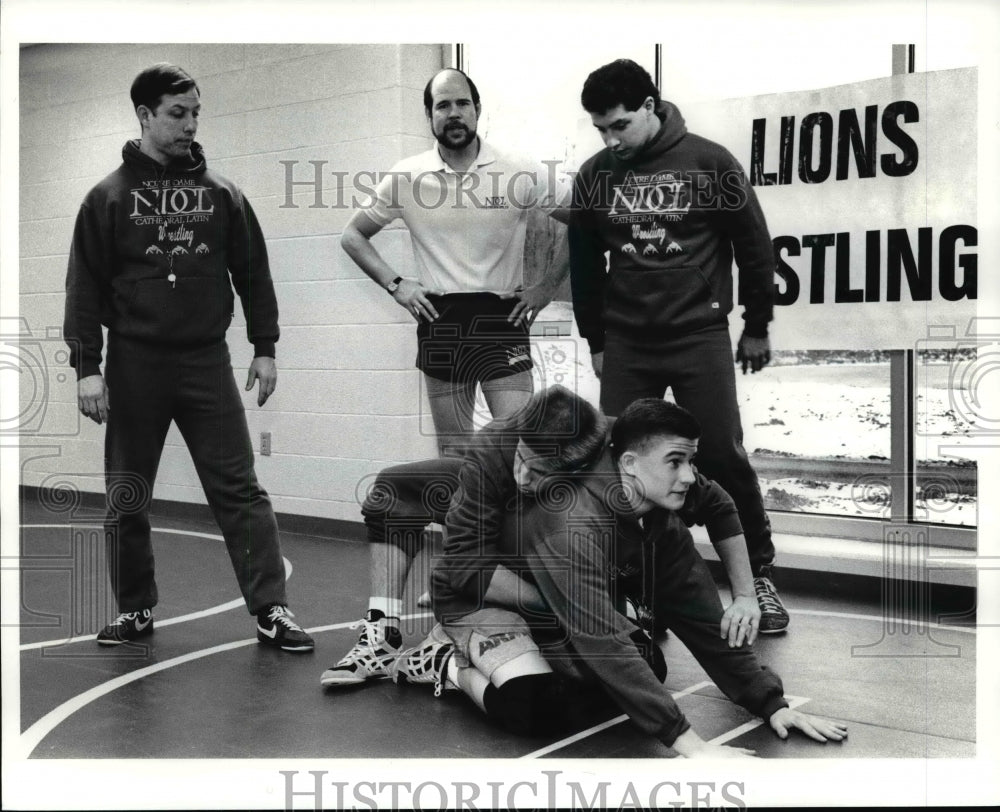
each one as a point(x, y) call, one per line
point(426, 663)
point(275, 627)
point(370, 658)
point(127, 626)
point(773, 616)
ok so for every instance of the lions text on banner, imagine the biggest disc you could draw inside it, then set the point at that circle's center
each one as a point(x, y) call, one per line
point(869, 190)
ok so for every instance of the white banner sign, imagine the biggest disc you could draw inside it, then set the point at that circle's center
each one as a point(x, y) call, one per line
point(869, 190)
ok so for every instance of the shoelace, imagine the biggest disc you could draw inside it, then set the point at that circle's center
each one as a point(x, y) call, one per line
point(767, 596)
point(120, 620)
point(441, 677)
point(279, 614)
point(368, 634)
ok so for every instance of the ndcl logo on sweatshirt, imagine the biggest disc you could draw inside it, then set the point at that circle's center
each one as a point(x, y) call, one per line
point(188, 203)
point(660, 194)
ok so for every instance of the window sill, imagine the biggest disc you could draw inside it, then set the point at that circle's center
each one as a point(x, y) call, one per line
point(852, 556)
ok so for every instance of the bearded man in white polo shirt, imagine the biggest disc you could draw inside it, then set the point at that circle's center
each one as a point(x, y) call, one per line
point(466, 207)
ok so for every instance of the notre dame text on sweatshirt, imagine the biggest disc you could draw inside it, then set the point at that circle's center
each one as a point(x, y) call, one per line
point(156, 253)
point(671, 220)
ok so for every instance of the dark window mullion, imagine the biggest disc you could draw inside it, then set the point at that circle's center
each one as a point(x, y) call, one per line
point(902, 400)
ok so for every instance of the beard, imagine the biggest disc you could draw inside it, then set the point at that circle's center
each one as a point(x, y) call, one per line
point(446, 138)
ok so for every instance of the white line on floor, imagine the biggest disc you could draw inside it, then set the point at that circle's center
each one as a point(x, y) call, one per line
point(39, 730)
point(793, 702)
point(214, 536)
point(213, 610)
point(171, 621)
point(590, 731)
point(31, 738)
point(792, 610)
point(335, 626)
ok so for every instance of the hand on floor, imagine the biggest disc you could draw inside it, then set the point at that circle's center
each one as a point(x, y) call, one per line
point(815, 727)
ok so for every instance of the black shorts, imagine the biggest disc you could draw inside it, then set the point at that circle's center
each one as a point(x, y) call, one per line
point(472, 341)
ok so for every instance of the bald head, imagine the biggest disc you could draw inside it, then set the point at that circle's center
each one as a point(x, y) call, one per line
point(451, 103)
point(454, 78)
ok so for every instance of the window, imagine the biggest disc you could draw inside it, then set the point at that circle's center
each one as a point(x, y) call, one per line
point(531, 103)
point(873, 434)
point(816, 425)
point(946, 423)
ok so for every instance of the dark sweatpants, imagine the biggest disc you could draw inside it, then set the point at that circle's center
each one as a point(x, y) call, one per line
point(148, 387)
point(699, 369)
point(686, 601)
point(672, 579)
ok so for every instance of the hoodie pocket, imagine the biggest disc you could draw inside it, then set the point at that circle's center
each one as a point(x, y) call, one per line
point(661, 302)
point(192, 310)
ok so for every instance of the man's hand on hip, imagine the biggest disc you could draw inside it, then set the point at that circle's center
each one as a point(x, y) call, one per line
point(93, 399)
point(412, 297)
point(265, 370)
point(530, 302)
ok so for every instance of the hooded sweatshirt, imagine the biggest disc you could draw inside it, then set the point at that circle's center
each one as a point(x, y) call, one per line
point(153, 252)
point(586, 556)
point(673, 218)
point(585, 550)
point(484, 527)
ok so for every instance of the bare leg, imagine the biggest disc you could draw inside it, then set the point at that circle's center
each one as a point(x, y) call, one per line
point(473, 683)
point(515, 707)
point(452, 406)
point(505, 396)
point(389, 567)
point(470, 681)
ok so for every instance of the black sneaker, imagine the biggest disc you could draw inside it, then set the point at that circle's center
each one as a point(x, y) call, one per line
point(127, 626)
point(275, 627)
point(773, 617)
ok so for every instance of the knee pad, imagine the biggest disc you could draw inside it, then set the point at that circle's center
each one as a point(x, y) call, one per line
point(389, 519)
point(405, 498)
point(525, 705)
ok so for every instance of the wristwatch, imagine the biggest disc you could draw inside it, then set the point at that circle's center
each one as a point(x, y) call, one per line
point(394, 284)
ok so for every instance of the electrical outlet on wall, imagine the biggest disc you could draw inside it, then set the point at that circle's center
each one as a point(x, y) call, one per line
point(265, 444)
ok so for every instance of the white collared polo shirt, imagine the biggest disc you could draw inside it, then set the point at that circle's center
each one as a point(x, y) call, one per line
point(468, 228)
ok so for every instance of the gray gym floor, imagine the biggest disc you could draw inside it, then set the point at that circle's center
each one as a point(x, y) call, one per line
point(202, 687)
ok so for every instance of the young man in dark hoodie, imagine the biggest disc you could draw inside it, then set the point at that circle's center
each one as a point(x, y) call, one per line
point(157, 248)
point(672, 211)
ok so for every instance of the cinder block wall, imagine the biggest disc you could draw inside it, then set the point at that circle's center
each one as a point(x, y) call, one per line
point(348, 401)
